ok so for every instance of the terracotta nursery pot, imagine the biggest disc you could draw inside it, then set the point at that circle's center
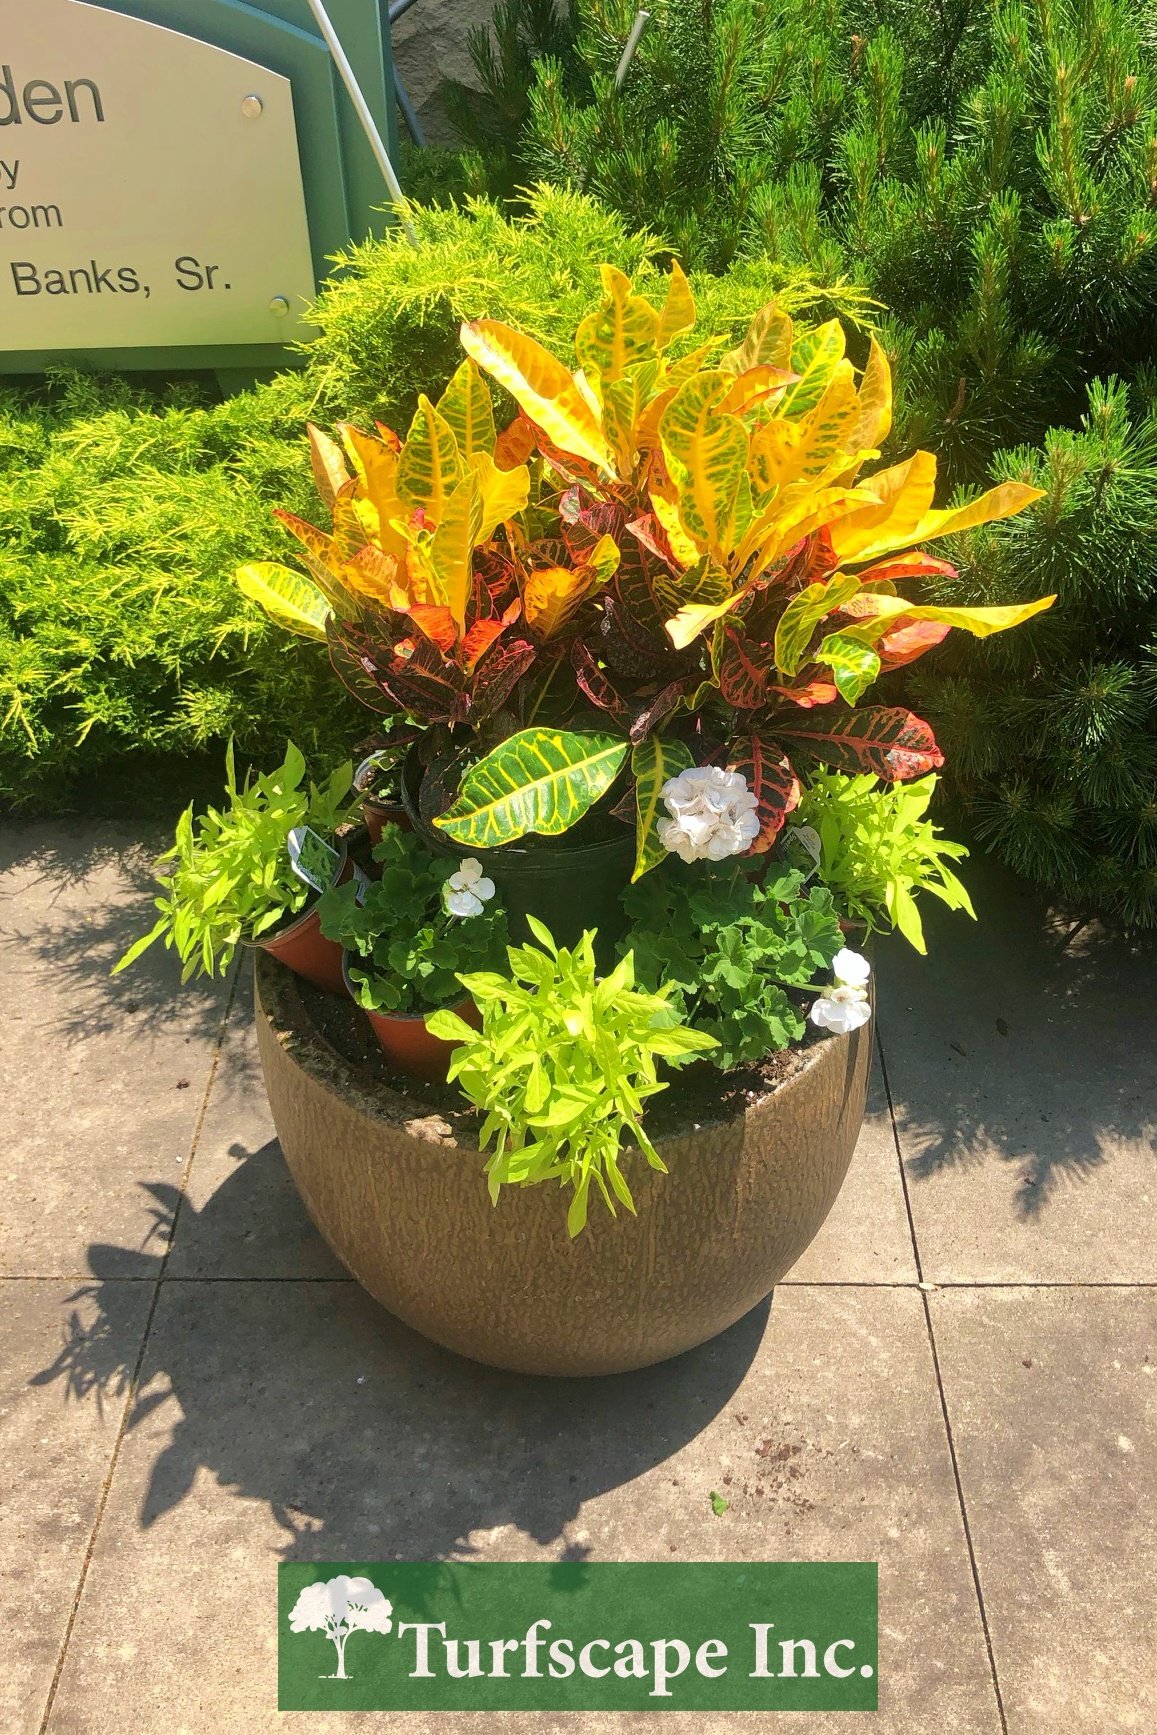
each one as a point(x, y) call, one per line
point(305, 948)
point(402, 1200)
point(404, 1039)
point(378, 814)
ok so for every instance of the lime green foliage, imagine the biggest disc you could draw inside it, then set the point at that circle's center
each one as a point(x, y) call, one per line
point(231, 878)
point(122, 519)
point(1053, 741)
point(878, 851)
point(390, 327)
point(562, 1067)
point(728, 946)
point(411, 947)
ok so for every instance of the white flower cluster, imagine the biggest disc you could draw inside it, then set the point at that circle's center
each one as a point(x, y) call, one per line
point(466, 891)
point(845, 1006)
point(713, 814)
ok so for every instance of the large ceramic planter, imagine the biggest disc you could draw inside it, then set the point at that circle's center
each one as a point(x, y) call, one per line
point(403, 1203)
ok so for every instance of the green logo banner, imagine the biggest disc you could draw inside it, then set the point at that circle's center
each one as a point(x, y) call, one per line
point(577, 1636)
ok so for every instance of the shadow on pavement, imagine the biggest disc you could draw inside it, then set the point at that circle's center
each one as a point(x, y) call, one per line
point(72, 900)
point(357, 1433)
point(1027, 1036)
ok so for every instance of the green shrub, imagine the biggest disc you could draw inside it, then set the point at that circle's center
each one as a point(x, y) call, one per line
point(1053, 735)
point(122, 633)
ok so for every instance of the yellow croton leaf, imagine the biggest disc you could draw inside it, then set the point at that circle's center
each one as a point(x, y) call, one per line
point(814, 356)
point(430, 466)
point(897, 532)
point(684, 547)
point(899, 498)
point(551, 595)
point(328, 464)
point(467, 406)
point(375, 462)
point(678, 310)
point(504, 493)
point(980, 621)
point(452, 548)
point(758, 386)
point(289, 598)
point(875, 401)
point(706, 457)
point(767, 343)
point(622, 330)
point(540, 385)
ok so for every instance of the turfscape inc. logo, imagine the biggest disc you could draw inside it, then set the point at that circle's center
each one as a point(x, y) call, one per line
point(578, 1636)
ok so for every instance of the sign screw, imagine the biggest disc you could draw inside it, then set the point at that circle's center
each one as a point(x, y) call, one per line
point(279, 305)
point(252, 107)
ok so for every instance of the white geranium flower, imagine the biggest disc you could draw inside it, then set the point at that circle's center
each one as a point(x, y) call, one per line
point(841, 1010)
point(467, 890)
point(713, 814)
point(851, 969)
point(845, 1006)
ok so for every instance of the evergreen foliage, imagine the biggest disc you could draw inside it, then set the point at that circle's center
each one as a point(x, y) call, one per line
point(1053, 731)
point(990, 172)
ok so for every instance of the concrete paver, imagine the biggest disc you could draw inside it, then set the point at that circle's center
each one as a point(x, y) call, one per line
point(305, 1424)
point(1052, 1401)
point(103, 1080)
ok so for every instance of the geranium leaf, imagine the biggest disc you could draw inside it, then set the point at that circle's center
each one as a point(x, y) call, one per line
point(653, 762)
point(540, 780)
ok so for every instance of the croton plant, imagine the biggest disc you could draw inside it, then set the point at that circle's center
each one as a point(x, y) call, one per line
point(670, 558)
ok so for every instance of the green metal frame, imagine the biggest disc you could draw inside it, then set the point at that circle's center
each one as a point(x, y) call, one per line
point(344, 192)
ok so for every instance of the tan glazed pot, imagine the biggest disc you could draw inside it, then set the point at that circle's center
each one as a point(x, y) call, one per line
point(401, 1198)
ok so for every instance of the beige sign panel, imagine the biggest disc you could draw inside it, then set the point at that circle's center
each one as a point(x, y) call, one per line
point(150, 189)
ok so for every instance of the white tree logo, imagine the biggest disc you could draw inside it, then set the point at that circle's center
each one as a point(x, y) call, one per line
point(338, 1608)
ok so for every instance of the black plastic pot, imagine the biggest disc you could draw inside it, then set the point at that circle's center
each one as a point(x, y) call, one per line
point(569, 887)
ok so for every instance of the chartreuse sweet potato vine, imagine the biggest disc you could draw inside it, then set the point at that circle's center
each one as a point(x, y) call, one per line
point(661, 562)
point(562, 1067)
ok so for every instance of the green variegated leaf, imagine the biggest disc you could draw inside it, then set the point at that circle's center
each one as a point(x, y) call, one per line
point(540, 780)
point(853, 663)
point(288, 598)
point(466, 405)
point(706, 455)
point(621, 331)
point(803, 615)
point(814, 355)
point(452, 548)
point(430, 466)
point(653, 762)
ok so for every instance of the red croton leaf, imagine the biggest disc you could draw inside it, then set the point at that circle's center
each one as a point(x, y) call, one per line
point(771, 780)
point(436, 622)
point(809, 694)
point(661, 706)
point(422, 683)
point(496, 677)
point(904, 643)
point(515, 443)
point(597, 686)
point(914, 565)
point(743, 667)
point(890, 742)
point(585, 521)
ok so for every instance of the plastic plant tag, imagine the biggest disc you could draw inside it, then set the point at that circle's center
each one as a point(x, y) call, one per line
point(361, 884)
point(801, 849)
point(311, 858)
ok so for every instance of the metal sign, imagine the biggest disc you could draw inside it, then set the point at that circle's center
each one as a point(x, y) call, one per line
point(153, 205)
